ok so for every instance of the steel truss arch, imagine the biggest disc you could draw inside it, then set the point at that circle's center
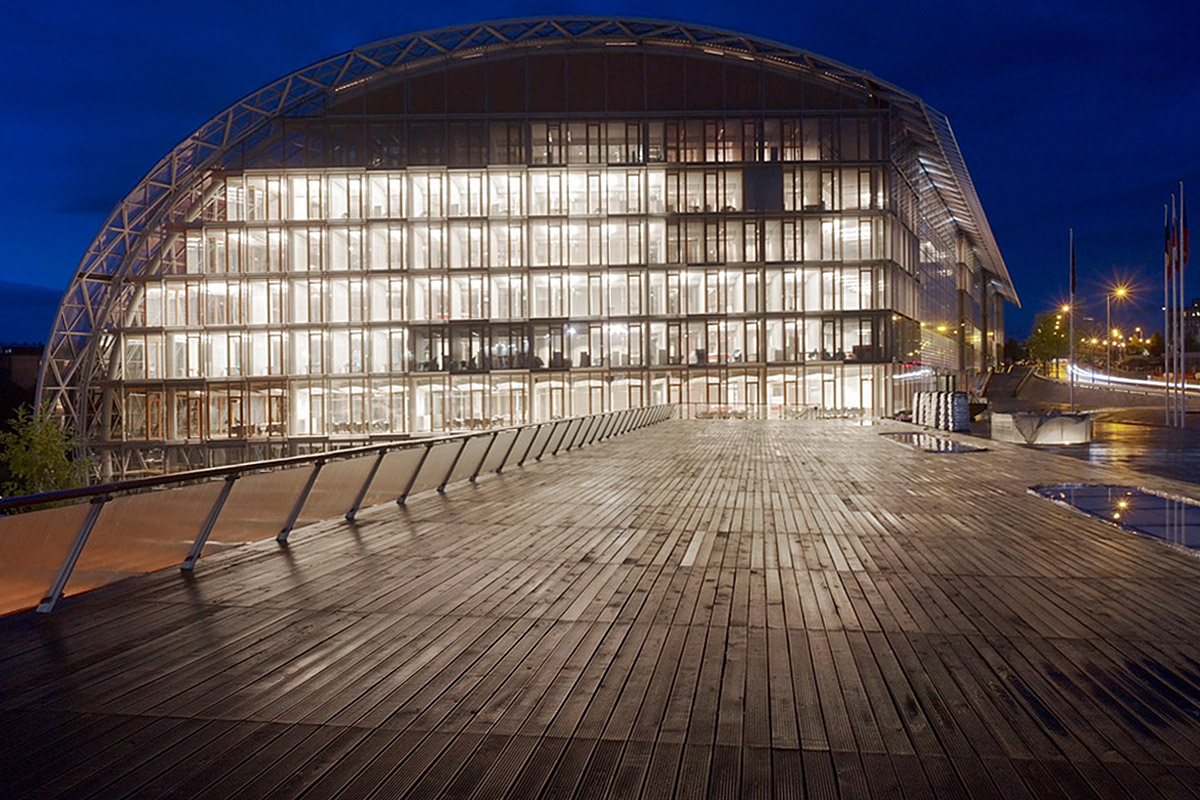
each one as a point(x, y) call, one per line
point(133, 239)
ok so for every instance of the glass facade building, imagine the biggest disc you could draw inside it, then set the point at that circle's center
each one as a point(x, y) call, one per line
point(518, 221)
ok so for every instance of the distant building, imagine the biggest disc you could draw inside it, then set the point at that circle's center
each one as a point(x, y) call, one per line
point(19, 364)
point(1191, 325)
point(489, 225)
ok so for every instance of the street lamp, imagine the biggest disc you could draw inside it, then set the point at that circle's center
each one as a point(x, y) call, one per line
point(1119, 293)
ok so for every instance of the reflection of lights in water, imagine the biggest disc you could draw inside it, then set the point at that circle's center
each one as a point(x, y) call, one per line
point(1175, 520)
point(1160, 451)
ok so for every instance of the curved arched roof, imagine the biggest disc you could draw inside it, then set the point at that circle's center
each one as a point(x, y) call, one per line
point(128, 243)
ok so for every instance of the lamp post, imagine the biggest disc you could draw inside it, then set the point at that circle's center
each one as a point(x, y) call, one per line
point(1118, 292)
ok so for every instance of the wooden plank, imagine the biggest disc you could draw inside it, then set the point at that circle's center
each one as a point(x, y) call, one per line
point(697, 609)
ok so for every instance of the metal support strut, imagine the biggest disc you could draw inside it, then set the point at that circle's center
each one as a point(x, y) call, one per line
point(413, 478)
point(64, 572)
point(193, 555)
point(362, 493)
point(300, 501)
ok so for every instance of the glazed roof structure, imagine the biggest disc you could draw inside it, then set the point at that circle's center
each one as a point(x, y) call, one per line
point(127, 245)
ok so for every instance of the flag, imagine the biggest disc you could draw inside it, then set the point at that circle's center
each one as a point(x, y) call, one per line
point(1167, 249)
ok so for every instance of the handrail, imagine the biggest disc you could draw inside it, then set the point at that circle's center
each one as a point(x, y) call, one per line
point(549, 437)
point(763, 411)
point(197, 475)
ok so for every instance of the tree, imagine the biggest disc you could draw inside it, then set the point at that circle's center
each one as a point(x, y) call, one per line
point(1154, 346)
point(1014, 351)
point(1048, 340)
point(36, 454)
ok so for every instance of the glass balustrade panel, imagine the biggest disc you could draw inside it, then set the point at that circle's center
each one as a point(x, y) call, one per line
point(437, 466)
point(32, 547)
point(259, 505)
point(499, 452)
point(521, 446)
point(468, 462)
point(394, 474)
point(336, 487)
point(144, 532)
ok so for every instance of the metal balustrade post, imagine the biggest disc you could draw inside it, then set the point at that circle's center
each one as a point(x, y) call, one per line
point(300, 501)
point(585, 431)
point(362, 493)
point(601, 426)
point(412, 479)
point(64, 571)
point(508, 452)
point(550, 438)
point(581, 435)
point(210, 522)
point(529, 447)
point(563, 440)
point(483, 458)
point(442, 486)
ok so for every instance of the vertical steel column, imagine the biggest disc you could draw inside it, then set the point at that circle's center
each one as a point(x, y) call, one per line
point(442, 486)
point(64, 571)
point(362, 493)
point(193, 555)
point(300, 501)
point(413, 478)
point(483, 458)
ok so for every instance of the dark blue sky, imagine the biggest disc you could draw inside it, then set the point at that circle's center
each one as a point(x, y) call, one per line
point(1082, 113)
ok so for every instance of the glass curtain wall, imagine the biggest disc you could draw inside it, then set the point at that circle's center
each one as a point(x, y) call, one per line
point(759, 263)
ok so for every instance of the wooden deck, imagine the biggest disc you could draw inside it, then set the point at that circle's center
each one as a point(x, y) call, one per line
point(699, 609)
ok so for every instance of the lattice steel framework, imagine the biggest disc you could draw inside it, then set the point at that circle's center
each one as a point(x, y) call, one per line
point(134, 238)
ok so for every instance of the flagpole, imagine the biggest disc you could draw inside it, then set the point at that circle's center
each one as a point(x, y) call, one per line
point(1183, 259)
point(1174, 303)
point(1175, 322)
point(1181, 341)
point(1071, 322)
point(1174, 314)
point(1166, 317)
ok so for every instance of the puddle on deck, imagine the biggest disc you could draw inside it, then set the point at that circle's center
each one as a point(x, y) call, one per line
point(1174, 521)
point(931, 443)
